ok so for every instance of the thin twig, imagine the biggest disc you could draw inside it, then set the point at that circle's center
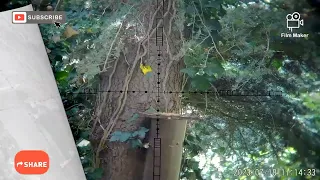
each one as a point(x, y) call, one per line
point(57, 5)
point(209, 33)
point(114, 40)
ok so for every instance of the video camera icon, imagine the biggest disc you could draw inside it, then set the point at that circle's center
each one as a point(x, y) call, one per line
point(293, 21)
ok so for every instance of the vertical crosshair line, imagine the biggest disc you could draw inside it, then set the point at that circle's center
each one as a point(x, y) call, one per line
point(157, 139)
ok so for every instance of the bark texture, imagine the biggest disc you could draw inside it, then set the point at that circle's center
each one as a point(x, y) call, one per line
point(137, 93)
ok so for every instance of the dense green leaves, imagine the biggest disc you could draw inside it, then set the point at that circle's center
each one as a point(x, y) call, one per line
point(236, 133)
point(200, 83)
point(141, 133)
point(120, 136)
point(133, 137)
point(214, 69)
point(277, 63)
point(70, 83)
point(190, 71)
point(213, 24)
point(213, 4)
point(312, 100)
point(135, 143)
point(96, 174)
point(256, 58)
point(61, 75)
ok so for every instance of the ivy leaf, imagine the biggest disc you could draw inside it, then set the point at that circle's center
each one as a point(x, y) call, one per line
point(136, 143)
point(151, 110)
point(85, 134)
point(201, 83)
point(124, 136)
point(222, 150)
point(72, 111)
point(68, 68)
point(190, 71)
point(115, 136)
point(141, 133)
point(209, 71)
point(61, 75)
point(134, 117)
point(135, 133)
point(214, 69)
point(276, 63)
point(120, 136)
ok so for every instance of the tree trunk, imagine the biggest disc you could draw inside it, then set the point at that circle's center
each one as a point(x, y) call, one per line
point(131, 92)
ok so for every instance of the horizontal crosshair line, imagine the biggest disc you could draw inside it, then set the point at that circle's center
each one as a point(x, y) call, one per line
point(219, 92)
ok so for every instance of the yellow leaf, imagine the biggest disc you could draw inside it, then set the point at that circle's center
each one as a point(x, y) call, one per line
point(69, 32)
point(89, 30)
point(145, 69)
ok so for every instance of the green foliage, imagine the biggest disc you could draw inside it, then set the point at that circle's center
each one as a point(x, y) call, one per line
point(312, 100)
point(69, 78)
point(195, 143)
point(201, 83)
point(120, 136)
point(151, 110)
point(191, 72)
point(95, 174)
point(78, 110)
point(214, 69)
point(202, 69)
point(134, 137)
point(134, 117)
point(226, 47)
point(210, 11)
point(235, 136)
point(277, 63)
point(202, 19)
point(136, 143)
point(141, 133)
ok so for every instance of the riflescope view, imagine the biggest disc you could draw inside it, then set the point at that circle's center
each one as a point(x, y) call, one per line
point(189, 89)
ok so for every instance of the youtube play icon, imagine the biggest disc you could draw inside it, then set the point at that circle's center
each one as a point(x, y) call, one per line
point(19, 17)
